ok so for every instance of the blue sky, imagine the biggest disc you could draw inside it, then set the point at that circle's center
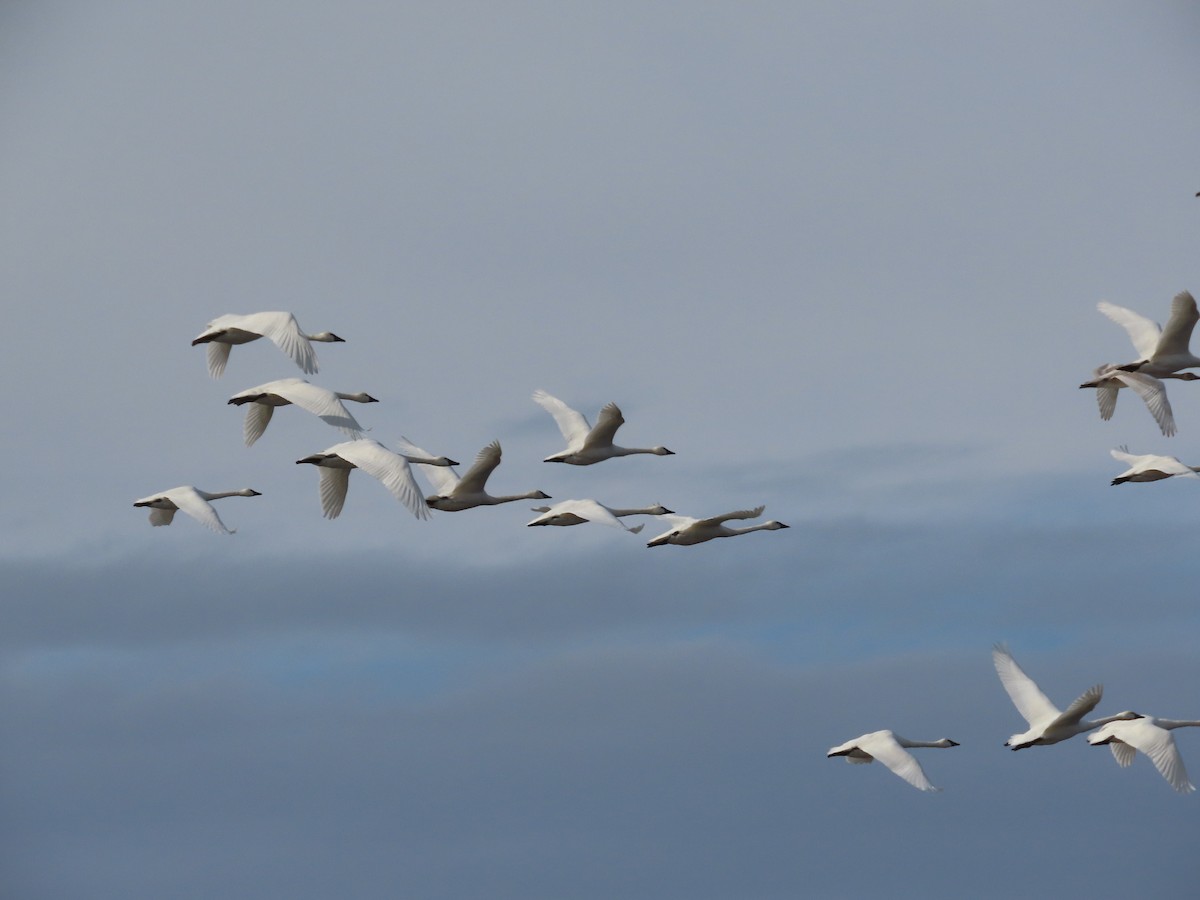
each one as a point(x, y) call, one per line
point(843, 261)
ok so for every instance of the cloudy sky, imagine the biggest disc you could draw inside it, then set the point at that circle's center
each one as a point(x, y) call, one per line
point(843, 260)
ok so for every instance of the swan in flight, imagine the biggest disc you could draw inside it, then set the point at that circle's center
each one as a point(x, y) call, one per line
point(686, 530)
point(1161, 351)
point(587, 445)
point(577, 512)
point(376, 460)
point(281, 327)
point(260, 403)
point(1153, 737)
point(453, 494)
point(891, 750)
point(1149, 467)
point(192, 501)
point(1109, 378)
point(1047, 725)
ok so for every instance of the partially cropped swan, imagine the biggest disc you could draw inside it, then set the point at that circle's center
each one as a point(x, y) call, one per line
point(577, 512)
point(587, 445)
point(891, 750)
point(453, 494)
point(281, 327)
point(1047, 725)
point(1109, 378)
point(686, 531)
point(261, 401)
point(1161, 351)
point(1149, 467)
point(377, 461)
point(1153, 737)
point(192, 501)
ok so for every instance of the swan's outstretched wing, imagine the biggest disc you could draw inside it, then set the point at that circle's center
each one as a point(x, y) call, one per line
point(571, 423)
point(1154, 393)
point(390, 468)
point(322, 403)
point(258, 417)
point(739, 514)
point(1178, 333)
point(883, 746)
point(606, 426)
point(283, 329)
point(1080, 706)
point(590, 510)
point(1034, 707)
point(1106, 399)
point(1142, 331)
point(476, 477)
point(1123, 753)
point(443, 478)
point(1153, 740)
point(199, 509)
point(333, 485)
point(218, 357)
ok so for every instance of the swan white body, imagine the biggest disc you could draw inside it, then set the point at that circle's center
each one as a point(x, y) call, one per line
point(260, 403)
point(1148, 467)
point(1109, 378)
point(280, 327)
point(391, 468)
point(454, 494)
point(891, 750)
point(686, 531)
point(587, 445)
point(192, 501)
point(1161, 351)
point(1152, 736)
point(1047, 724)
point(577, 512)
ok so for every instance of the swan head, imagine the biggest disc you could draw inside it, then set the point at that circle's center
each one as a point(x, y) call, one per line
point(774, 526)
point(249, 492)
point(539, 495)
point(326, 337)
point(662, 451)
point(1187, 376)
point(659, 510)
point(946, 742)
point(361, 397)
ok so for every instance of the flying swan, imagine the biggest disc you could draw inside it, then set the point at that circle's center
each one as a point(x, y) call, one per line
point(1161, 351)
point(1149, 467)
point(1153, 737)
point(1109, 378)
point(376, 460)
point(192, 501)
point(1046, 724)
point(587, 445)
point(260, 403)
point(281, 327)
point(686, 530)
point(453, 494)
point(577, 512)
point(891, 750)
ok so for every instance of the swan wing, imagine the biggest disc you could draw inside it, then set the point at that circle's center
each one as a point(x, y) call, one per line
point(1122, 454)
point(322, 403)
point(571, 423)
point(593, 512)
point(334, 483)
point(1178, 333)
point(390, 468)
point(258, 417)
point(1159, 745)
point(739, 514)
point(476, 477)
point(161, 516)
point(884, 747)
point(1034, 707)
point(443, 478)
point(1122, 753)
point(1142, 331)
point(607, 423)
point(283, 329)
point(218, 356)
point(1080, 707)
point(190, 502)
point(1154, 393)
point(1106, 399)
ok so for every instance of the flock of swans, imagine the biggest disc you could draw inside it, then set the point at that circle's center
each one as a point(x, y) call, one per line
point(1161, 354)
point(394, 469)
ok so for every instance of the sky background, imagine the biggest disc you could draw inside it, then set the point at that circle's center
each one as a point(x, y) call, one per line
point(844, 260)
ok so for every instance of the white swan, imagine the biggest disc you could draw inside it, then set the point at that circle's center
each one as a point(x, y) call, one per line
point(1161, 350)
point(377, 461)
point(1149, 467)
point(281, 327)
point(1153, 737)
point(1047, 725)
point(890, 749)
point(262, 400)
point(686, 530)
point(577, 512)
point(587, 445)
point(192, 501)
point(453, 494)
point(1109, 378)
